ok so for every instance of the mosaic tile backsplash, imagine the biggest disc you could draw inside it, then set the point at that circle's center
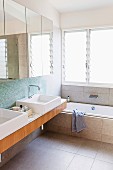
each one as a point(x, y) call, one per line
point(10, 91)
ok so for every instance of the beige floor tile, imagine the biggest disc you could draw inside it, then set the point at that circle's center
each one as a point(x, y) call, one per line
point(100, 165)
point(69, 146)
point(64, 142)
point(53, 151)
point(105, 153)
point(48, 142)
point(63, 137)
point(89, 148)
point(35, 157)
point(81, 163)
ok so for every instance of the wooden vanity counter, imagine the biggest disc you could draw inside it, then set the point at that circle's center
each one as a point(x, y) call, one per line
point(18, 135)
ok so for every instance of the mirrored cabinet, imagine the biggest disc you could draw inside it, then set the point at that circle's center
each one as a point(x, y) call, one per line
point(1, 18)
point(34, 40)
point(2, 44)
point(15, 35)
point(47, 45)
point(25, 42)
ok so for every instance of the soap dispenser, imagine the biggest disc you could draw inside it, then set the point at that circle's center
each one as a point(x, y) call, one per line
point(21, 108)
point(68, 99)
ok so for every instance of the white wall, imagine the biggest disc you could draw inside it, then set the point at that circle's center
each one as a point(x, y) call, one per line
point(90, 18)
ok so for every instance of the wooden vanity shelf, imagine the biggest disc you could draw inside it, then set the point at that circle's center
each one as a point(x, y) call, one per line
point(18, 135)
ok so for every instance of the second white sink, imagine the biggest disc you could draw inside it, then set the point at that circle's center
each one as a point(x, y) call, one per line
point(40, 104)
point(10, 121)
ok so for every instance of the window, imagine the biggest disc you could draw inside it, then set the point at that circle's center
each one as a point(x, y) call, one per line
point(88, 56)
point(101, 56)
point(75, 51)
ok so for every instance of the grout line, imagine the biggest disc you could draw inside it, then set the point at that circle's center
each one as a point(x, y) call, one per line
point(96, 155)
point(70, 162)
point(76, 153)
point(85, 156)
point(94, 160)
point(104, 161)
point(101, 129)
point(92, 164)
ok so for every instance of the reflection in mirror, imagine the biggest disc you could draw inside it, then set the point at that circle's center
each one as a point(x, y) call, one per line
point(47, 45)
point(15, 28)
point(2, 44)
point(34, 39)
point(9, 58)
point(1, 18)
point(24, 54)
point(15, 22)
point(13, 43)
point(40, 34)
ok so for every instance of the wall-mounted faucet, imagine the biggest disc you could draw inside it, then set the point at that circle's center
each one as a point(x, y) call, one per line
point(29, 88)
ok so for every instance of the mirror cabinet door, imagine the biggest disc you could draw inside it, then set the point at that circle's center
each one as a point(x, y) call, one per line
point(1, 18)
point(15, 35)
point(25, 42)
point(34, 41)
point(47, 46)
point(3, 61)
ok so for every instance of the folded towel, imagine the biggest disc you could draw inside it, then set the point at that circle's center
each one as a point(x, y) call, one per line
point(78, 122)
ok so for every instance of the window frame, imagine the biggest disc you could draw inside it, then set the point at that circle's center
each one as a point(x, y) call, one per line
point(88, 57)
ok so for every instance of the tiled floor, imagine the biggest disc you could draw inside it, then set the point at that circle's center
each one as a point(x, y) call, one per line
point(59, 152)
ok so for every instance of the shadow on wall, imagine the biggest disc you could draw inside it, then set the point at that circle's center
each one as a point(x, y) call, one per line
point(10, 91)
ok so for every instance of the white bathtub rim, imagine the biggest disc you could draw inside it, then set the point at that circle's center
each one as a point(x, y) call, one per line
point(106, 116)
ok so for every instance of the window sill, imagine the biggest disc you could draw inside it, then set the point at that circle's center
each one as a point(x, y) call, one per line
point(88, 84)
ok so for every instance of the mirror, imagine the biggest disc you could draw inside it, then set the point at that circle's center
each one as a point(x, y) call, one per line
point(40, 31)
point(34, 41)
point(13, 42)
point(47, 46)
point(25, 42)
point(1, 18)
point(2, 43)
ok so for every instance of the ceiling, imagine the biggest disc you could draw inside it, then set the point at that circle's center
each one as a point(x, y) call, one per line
point(76, 5)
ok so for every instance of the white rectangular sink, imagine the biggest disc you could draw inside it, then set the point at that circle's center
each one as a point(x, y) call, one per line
point(10, 121)
point(40, 104)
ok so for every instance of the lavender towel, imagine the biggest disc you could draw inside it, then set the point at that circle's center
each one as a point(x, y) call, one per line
point(78, 122)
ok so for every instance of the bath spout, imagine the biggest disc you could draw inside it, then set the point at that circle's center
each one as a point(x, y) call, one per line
point(93, 96)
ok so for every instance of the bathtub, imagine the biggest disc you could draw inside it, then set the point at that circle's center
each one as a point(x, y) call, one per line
point(98, 119)
point(91, 109)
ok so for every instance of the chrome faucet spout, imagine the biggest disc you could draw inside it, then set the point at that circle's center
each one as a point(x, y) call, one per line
point(29, 87)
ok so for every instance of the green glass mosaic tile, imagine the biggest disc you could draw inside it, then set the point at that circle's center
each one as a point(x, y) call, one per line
point(10, 91)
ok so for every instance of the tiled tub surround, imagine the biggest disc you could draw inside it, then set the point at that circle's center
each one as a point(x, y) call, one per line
point(98, 128)
point(82, 93)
